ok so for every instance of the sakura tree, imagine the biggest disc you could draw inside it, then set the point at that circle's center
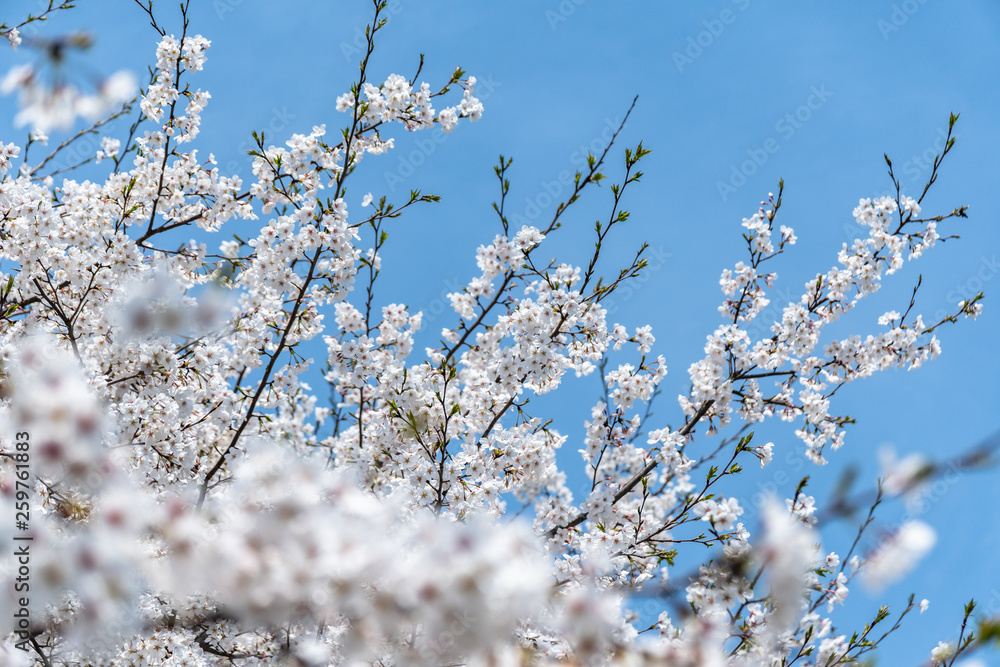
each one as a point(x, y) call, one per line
point(181, 494)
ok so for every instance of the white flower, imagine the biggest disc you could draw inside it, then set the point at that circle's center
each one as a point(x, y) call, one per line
point(788, 549)
point(721, 513)
point(366, 200)
point(229, 249)
point(109, 148)
point(765, 453)
point(803, 508)
point(898, 555)
point(18, 76)
point(904, 475)
point(118, 88)
point(8, 152)
point(788, 235)
point(840, 591)
point(888, 317)
point(941, 652)
point(345, 102)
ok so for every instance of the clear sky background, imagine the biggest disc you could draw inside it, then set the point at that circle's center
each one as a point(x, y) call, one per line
point(717, 81)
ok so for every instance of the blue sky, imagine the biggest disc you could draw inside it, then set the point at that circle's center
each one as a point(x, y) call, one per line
point(733, 95)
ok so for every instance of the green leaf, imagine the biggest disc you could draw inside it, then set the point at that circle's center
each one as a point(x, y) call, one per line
point(989, 631)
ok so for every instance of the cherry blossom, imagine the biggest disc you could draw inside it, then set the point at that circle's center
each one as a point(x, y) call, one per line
point(239, 457)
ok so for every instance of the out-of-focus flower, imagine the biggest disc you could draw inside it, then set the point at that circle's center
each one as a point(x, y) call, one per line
point(54, 103)
point(941, 652)
point(904, 475)
point(898, 555)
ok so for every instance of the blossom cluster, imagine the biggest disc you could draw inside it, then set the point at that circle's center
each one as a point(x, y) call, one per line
point(197, 503)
